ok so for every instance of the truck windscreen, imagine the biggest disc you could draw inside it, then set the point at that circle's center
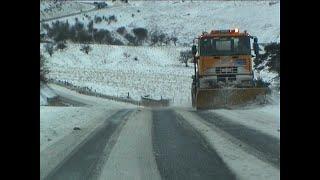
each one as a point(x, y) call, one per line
point(225, 46)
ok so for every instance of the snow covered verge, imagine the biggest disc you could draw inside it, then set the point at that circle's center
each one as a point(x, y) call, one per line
point(45, 94)
point(51, 9)
point(57, 122)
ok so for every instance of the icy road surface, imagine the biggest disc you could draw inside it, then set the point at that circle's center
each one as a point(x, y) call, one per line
point(129, 142)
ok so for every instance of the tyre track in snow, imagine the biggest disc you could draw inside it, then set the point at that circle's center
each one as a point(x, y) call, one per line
point(132, 156)
point(262, 146)
point(84, 161)
point(181, 154)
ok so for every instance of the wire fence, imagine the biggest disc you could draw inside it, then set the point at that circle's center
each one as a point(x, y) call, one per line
point(88, 91)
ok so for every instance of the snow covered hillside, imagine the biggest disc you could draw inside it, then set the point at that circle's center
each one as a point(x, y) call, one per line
point(186, 20)
point(113, 70)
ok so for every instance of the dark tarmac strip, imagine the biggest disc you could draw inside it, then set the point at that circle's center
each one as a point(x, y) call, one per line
point(181, 154)
point(263, 146)
point(81, 164)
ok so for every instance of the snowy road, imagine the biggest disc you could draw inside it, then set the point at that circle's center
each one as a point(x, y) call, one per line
point(68, 15)
point(142, 143)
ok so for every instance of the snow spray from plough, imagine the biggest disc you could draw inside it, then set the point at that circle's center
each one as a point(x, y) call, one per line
point(223, 73)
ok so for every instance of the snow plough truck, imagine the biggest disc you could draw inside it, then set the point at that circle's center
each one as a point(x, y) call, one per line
point(223, 72)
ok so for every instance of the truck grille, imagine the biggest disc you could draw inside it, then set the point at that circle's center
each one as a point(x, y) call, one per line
point(226, 70)
point(225, 78)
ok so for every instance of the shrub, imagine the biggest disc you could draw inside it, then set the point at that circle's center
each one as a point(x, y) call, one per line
point(126, 55)
point(117, 42)
point(58, 31)
point(86, 48)
point(273, 50)
point(90, 26)
point(79, 26)
point(97, 19)
point(42, 37)
point(132, 40)
point(154, 38)
point(121, 30)
point(112, 18)
point(43, 69)
point(158, 37)
point(271, 58)
point(162, 37)
point(61, 45)
point(73, 34)
point(174, 39)
point(45, 26)
point(84, 37)
point(261, 83)
point(103, 36)
point(140, 33)
point(49, 48)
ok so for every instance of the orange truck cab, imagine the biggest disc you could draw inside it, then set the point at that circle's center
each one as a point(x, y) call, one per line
point(223, 57)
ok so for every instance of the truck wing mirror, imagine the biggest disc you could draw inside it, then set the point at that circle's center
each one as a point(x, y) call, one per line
point(194, 50)
point(256, 46)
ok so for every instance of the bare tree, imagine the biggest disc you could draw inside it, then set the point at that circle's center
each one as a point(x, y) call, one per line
point(49, 48)
point(185, 56)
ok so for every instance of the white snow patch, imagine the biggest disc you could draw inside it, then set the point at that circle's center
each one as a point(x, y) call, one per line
point(132, 156)
point(266, 118)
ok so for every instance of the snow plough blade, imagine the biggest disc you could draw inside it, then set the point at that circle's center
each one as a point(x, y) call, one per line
point(224, 98)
